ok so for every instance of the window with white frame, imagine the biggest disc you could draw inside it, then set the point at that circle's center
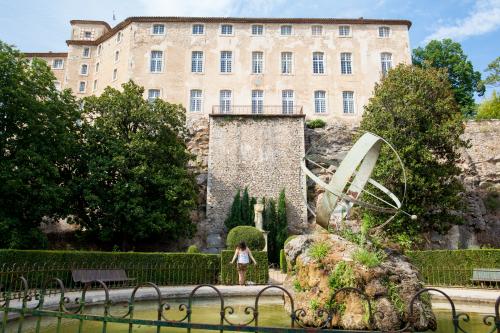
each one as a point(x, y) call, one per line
point(117, 55)
point(97, 67)
point(84, 69)
point(225, 101)
point(153, 94)
point(82, 86)
point(99, 49)
point(286, 30)
point(86, 52)
point(197, 62)
point(57, 64)
point(346, 63)
point(287, 101)
point(318, 63)
point(226, 29)
point(87, 34)
point(386, 62)
point(198, 29)
point(320, 101)
point(57, 85)
point(348, 102)
point(286, 62)
point(317, 30)
point(119, 37)
point(257, 29)
point(95, 85)
point(158, 29)
point(257, 62)
point(156, 63)
point(195, 100)
point(344, 30)
point(226, 61)
point(115, 74)
point(384, 32)
point(257, 101)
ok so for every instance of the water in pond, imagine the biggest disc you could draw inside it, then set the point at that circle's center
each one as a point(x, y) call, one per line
point(271, 313)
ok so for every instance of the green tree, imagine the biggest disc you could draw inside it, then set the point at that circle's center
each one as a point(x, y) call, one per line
point(38, 126)
point(414, 109)
point(493, 70)
point(246, 214)
point(463, 79)
point(234, 218)
point(281, 225)
point(270, 223)
point(134, 183)
point(489, 108)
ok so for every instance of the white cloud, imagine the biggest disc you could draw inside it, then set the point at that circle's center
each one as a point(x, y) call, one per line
point(484, 18)
point(209, 8)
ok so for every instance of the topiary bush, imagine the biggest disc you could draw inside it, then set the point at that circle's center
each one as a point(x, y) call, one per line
point(250, 235)
point(193, 249)
point(316, 123)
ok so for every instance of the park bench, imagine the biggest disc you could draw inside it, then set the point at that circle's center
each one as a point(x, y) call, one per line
point(104, 275)
point(483, 275)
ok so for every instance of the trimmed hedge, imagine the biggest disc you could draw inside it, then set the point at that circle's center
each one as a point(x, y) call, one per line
point(258, 274)
point(453, 267)
point(252, 236)
point(159, 268)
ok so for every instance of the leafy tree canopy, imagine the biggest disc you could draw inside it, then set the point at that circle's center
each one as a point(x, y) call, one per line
point(463, 79)
point(134, 184)
point(493, 70)
point(414, 109)
point(38, 135)
point(489, 108)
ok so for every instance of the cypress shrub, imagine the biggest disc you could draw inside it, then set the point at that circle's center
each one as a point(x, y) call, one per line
point(250, 235)
point(283, 264)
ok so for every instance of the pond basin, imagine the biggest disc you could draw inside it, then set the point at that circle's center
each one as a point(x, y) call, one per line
point(206, 310)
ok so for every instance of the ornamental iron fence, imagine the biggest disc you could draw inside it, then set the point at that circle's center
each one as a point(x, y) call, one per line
point(34, 306)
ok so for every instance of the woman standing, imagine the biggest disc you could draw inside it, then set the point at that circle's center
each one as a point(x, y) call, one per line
point(243, 254)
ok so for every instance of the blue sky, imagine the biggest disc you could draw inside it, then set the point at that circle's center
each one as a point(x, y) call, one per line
point(34, 25)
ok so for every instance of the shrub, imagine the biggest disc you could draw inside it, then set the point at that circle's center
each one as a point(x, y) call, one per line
point(193, 249)
point(342, 276)
point(368, 258)
point(319, 251)
point(283, 264)
point(453, 267)
point(258, 274)
point(250, 235)
point(159, 268)
point(316, 123)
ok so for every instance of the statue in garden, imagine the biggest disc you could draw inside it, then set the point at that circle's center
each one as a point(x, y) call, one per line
point(258, 219)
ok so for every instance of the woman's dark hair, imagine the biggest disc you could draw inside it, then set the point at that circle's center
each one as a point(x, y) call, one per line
point(242, 246)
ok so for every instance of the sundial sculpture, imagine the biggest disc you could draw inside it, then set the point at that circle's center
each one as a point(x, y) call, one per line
point(354, 171)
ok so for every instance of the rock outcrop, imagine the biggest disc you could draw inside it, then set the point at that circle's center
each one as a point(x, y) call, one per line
point(323, 263)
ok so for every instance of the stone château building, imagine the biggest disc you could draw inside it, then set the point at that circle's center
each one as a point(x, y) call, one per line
point(324, 68)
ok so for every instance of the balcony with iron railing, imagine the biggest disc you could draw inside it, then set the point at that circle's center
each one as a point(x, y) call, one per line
point(277, 110)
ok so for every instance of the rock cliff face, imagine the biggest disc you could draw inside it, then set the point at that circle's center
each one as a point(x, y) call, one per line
point(315, 276)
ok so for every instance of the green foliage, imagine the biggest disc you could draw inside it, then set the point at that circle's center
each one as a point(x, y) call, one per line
point(282, 223)
point(289, 239)
point(275, 222)
point(133, 183)
point(368, 258)
point(396, 300)
point(38, 145)
point(318, 251)
point(314, 304)
point(464, 80)
point(316, 123)
point(453, 267)
point(489, 108)
point(242, 210)
point(413, 108)
point(250, 235)
point(258, 274)
point(342, 276)
point(492, 201)
point(296, 286)
point(234, 218)
point(283, 263)
point(193, 249)
point(160, 268)
point(493, 70)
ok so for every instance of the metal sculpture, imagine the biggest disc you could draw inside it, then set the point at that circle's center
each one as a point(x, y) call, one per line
point(355, 170)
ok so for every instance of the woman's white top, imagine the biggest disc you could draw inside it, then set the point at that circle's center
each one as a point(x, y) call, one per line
point(243, 257)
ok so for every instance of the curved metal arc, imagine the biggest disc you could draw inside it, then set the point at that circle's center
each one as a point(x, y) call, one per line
point(293, 316)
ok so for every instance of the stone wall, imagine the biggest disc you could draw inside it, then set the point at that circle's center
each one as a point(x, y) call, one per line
point(262, 153)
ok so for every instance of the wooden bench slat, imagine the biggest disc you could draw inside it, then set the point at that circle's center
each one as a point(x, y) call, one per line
point(105, 275)
point(486, 275)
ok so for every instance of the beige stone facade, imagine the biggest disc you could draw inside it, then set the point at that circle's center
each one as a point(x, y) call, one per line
point(308, 50)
